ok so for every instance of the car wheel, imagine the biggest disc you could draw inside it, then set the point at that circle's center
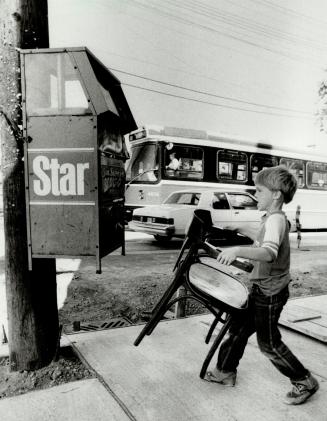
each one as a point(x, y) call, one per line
point(163, 238)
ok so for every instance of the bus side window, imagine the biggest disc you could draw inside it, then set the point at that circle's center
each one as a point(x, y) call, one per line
point(232, 166)
point(296, 167)
point(189, 159)
point(259, 162)
point(317, 175)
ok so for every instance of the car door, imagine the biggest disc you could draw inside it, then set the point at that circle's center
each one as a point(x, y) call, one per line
point(221, 212)
point(184, 208)
point(244, 210)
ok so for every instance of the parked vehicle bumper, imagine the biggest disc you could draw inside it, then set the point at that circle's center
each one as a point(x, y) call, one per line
point(153, 229)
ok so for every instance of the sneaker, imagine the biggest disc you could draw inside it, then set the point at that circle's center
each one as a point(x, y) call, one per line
point(221, 377)
point(302, 390)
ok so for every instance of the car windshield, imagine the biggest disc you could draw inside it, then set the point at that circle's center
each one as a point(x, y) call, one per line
point(183, 198)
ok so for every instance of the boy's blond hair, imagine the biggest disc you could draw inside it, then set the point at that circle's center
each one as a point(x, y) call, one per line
point(278, 178)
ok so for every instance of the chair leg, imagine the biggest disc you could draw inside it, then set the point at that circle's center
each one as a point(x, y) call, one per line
point(213, 326)
point(162, 305)
point(158, 313)
point(215, 345)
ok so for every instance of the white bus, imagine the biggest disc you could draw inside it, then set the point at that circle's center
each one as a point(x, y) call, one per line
point(211, 161)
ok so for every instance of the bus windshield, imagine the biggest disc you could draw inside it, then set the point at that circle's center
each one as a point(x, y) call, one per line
point(144, 158)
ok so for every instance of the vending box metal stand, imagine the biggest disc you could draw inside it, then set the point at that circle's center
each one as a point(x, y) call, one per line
point(75, 116)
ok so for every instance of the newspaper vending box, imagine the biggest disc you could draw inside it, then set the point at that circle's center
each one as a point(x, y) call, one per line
point(75, 116)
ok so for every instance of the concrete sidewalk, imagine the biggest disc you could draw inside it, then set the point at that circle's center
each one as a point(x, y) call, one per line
point(85, 400)
point(159, 380)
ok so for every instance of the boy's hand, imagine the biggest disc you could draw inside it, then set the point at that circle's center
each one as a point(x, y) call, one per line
point(226, 257)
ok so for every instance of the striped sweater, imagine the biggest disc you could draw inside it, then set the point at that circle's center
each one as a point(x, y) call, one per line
point(273, 235)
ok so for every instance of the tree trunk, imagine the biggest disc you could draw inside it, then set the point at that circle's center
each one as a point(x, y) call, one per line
point(31, 295)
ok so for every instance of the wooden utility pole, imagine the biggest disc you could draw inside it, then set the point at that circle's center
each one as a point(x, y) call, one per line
point(31, 295)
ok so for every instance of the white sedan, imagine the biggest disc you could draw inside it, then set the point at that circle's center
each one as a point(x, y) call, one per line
point(170, 219)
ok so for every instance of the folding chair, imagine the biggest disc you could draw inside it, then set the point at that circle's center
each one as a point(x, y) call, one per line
point(205, 282)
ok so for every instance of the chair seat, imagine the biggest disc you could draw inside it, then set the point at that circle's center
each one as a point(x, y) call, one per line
point(208, 278)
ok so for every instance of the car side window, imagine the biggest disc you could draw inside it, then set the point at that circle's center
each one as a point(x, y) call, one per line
point(220, 201)
point(195, 199)
point(242, 201)
point(187, 199)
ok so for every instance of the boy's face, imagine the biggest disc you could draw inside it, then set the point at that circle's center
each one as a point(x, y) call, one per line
point(264, 196)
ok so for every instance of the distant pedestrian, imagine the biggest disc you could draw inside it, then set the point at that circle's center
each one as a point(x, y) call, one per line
point(298, 225)
point(270, 277)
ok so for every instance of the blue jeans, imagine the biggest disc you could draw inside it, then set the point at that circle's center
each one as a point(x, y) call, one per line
point(261, 317)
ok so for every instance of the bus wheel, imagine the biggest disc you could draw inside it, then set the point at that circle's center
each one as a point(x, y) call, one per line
point(162, 238)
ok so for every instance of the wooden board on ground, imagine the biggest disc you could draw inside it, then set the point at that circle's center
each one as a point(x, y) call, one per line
point(296, 313)
point(307, 315)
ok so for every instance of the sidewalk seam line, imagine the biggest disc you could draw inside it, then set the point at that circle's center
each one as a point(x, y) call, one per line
point(103, 382)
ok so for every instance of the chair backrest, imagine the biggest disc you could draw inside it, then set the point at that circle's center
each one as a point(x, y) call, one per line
point(200, 224)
